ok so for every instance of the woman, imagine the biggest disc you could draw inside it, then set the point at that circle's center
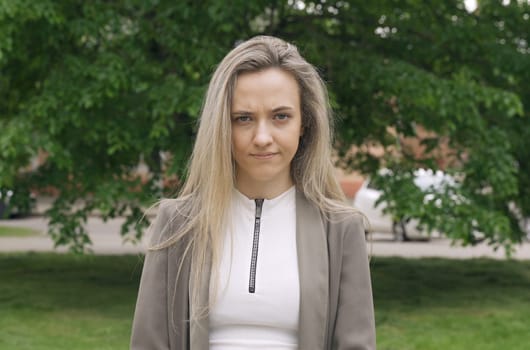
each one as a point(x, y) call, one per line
point(260, 249)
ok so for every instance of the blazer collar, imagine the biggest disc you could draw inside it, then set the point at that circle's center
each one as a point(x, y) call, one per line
point(313, 269)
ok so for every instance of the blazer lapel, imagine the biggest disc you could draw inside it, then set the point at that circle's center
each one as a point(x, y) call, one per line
point(199, 329)
point(311, 242)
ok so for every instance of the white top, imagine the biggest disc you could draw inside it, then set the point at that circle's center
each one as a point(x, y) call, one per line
point(268, 317)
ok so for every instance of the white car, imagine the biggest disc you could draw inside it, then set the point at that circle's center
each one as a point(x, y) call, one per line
point(367, 196)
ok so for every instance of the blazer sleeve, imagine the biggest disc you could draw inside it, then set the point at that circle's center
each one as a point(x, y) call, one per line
point(355, 324)
point(150, 324)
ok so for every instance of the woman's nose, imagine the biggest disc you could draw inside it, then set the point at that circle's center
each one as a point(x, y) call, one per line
point(263, 136)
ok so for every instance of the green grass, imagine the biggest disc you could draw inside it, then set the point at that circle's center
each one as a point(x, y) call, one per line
point(6, 231)
point(60, 301)
point(452, 304)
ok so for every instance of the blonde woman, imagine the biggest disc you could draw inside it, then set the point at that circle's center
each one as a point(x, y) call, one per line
point(260, 249)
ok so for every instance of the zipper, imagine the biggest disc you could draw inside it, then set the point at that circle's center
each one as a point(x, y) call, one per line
point(255, 244)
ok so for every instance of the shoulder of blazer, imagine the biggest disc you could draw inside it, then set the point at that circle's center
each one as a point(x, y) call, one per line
point(346, 222)
point(172, 214)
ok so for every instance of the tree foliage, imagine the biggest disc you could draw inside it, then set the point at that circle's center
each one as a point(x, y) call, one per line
point(97, 85)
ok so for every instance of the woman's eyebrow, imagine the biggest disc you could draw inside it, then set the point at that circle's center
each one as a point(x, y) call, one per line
point(277, 109)
point(282, 108)
point(241, 112)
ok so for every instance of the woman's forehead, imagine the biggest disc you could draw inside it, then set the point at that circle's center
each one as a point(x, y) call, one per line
point(272, 88)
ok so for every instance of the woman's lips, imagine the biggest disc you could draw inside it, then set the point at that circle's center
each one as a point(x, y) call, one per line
point(266, 155)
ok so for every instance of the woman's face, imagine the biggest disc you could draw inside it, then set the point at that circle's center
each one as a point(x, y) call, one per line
point(266, 129)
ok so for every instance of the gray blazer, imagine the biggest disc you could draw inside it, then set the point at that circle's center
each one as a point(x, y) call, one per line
point(336, 307)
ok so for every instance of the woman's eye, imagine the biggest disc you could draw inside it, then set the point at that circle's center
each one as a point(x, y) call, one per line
point(281, 116)
point(242, 118)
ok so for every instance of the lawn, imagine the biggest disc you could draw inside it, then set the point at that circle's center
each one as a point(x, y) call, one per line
point(452, 304)
point(7, 231)
point(60, 301)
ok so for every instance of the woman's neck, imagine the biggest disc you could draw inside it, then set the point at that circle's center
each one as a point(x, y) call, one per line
point(266, 190)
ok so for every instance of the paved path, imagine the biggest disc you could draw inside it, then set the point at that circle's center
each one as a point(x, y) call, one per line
point(441, 247)
point(105, 237)
point(107, 240)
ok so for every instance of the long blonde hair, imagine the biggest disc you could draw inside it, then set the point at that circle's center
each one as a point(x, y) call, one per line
point(205, 197)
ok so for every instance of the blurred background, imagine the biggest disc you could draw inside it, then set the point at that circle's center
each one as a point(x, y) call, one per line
point(100, 103)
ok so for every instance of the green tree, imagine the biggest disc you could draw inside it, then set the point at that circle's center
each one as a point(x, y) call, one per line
point(98, 85)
